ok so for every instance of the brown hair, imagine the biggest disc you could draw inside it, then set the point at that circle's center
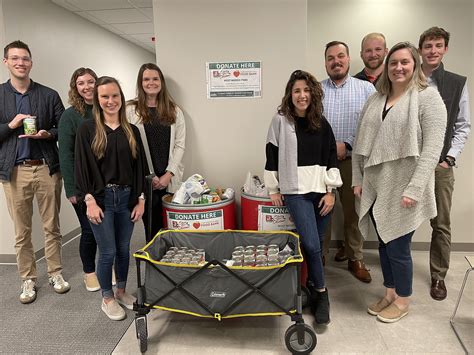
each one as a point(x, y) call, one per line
point(15, 44)
point(314, 112)
point(100, 140)
point(418, 80)
point(165, 105)
point(335, 43)
point(434, 33)
point(75, 99)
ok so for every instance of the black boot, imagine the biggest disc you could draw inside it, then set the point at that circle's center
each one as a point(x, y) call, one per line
point(320, 306)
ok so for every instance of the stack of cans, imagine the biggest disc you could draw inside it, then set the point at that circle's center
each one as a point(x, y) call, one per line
point(184, 255)
point(260, 255)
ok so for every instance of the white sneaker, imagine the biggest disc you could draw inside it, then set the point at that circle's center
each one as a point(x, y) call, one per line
point(126, 300)
point(58, 283)
point(113, 310)
point(28, 291)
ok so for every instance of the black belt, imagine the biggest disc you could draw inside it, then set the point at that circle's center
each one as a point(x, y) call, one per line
point(32, 162)
point(116, 186)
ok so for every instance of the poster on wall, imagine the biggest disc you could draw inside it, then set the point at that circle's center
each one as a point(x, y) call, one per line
point(234, 79)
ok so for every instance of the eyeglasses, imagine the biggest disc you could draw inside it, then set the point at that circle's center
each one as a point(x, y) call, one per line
point(16, 59)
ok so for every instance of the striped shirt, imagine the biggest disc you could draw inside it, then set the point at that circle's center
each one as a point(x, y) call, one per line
point(300, 161)
point(343, 104)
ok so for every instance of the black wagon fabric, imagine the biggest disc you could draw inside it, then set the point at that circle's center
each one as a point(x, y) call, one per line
point(214, 286)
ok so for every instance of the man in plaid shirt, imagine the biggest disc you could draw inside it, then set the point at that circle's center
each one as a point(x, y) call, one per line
point(344, 98)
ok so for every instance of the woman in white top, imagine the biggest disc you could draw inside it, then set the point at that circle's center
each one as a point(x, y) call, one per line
point(163, 132)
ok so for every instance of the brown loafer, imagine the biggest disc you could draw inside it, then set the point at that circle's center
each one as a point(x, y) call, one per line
point(375, 308)
point(357, 268)
point(340, 254)
point(438, 290)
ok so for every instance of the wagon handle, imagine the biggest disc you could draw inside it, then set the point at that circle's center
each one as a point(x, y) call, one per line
point(149, 178)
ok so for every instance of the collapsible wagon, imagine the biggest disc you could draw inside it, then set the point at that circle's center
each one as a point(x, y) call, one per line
point(213, 290)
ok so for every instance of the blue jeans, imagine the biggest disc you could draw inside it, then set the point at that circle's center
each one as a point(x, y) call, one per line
point(87, 243)
point(396, 262)
point(113, 239)
point(311, 227)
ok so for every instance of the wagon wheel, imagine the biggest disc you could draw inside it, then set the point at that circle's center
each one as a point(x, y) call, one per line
point(142, 333)
point(305, 296)
point(309, 339)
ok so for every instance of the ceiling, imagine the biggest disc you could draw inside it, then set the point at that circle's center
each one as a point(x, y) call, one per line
point(130, 19)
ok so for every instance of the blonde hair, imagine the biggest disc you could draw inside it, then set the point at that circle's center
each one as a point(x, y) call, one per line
point(99, 142)
point(373, 35)
point(418, 80)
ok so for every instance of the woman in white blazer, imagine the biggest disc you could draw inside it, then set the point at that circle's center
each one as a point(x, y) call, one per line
point(163, 132)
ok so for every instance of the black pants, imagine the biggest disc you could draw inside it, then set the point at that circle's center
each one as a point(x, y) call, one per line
point(156, 214)
point(87, 243)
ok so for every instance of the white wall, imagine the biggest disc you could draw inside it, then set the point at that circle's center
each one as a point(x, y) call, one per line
point(61, 42)
point(226, 137)
point(400, 20)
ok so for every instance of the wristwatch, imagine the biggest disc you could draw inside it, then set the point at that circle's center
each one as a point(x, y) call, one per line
point(450, 161)
point(331, 190)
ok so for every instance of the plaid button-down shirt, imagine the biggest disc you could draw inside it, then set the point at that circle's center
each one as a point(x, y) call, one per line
point(343, 104)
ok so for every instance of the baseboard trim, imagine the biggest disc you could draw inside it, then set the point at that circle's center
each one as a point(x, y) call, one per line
point(420, 246)
point(11, 258)
point(369, 244)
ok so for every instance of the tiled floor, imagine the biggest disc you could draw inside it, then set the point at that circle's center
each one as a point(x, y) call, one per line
point(425, 330)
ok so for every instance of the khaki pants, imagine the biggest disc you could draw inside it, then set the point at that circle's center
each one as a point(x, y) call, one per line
point(352, 237)
point(441, 236)
point(26, 183)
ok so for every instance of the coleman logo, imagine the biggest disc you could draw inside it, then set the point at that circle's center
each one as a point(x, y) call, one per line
point(217, 294)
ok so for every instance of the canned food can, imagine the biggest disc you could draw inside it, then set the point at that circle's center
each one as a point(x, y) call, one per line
point(237, 253)
point(29, 125)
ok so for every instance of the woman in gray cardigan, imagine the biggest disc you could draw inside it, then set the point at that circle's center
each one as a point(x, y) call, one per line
point(398, 143)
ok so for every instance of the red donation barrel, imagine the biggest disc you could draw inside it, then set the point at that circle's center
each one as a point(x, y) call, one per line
point(258, 213)
point(211, 216)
